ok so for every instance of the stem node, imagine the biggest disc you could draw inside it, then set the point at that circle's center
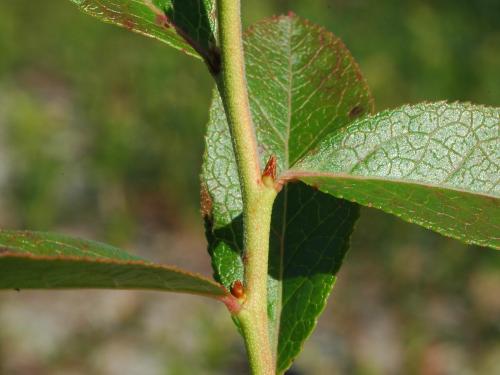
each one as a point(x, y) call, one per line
point(257, 196)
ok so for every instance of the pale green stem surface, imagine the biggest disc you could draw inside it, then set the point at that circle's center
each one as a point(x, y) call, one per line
point(253, 316)
point(233, 89)
point(258, 198)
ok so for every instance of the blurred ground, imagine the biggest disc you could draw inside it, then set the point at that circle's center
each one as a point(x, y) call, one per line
point(86, 110)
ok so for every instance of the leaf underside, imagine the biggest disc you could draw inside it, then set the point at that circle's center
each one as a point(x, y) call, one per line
point(187, 25)
point(309, 241)
point(34, 260)
point(303, 85)
point(436, 165)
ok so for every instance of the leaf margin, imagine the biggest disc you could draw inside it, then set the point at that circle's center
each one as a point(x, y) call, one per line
point(9, 252)
point(308, 176)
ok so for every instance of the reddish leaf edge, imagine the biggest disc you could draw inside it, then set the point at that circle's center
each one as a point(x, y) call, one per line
point(210, 56)
point(291, 16)
point(224, 294)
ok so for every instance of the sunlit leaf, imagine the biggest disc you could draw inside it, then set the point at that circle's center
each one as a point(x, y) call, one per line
point(33, 260)
point(436, 165)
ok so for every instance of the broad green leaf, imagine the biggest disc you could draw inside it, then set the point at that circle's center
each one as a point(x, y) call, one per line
point(309, 241)
point(436, 165)
point(34, 260)
point(187, 25)
point(303, 85)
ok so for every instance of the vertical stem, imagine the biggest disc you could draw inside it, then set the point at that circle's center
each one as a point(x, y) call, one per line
point(253, 315)
point(233, 88)
point(258, 198)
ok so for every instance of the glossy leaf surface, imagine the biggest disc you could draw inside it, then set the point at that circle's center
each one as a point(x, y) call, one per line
point(303, 85)
point(436, 165)
point(33, 260)
point(188, 25)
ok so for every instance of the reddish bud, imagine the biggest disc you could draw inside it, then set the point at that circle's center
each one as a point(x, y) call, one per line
point(269, 175)
point(237, 290)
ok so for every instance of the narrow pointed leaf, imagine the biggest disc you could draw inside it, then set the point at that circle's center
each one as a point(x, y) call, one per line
point(187, 25)
point(303, 85)
point(34, 260)
point(436, 165)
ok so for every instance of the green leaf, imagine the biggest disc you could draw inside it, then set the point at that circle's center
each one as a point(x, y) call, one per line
point(303, 85)
point(34, 260)
point(436, 165)
point(309, 241)
point(187, 25)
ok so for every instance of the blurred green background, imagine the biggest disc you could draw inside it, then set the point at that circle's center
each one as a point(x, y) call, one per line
point(101, 135)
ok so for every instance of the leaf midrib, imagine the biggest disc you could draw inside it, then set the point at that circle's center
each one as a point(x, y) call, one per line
point(297, 174)
point(11, 253)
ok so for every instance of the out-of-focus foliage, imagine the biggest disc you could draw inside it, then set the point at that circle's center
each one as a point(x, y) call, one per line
point(92, 105)
point(85, 109)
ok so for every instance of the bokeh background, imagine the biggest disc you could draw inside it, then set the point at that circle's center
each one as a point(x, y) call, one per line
point(101, 136)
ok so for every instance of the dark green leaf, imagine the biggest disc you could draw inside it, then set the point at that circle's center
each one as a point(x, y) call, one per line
point(310, 238)
point(188, 25)
point(436, 165)
point(303, 85)
point(33, 260)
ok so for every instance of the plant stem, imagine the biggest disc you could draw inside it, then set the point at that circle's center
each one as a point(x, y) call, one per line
point(253, 315)
point(233, 88)
point(258, 198)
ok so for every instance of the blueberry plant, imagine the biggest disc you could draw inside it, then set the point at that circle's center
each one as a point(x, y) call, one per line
point(292, 150)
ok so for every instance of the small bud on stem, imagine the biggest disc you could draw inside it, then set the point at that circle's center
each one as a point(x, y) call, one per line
point(237, 290)
point(269, 175)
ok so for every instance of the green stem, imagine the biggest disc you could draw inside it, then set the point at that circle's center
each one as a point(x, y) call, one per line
point(233, 88)
point(258, 198)
point(253, 315)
